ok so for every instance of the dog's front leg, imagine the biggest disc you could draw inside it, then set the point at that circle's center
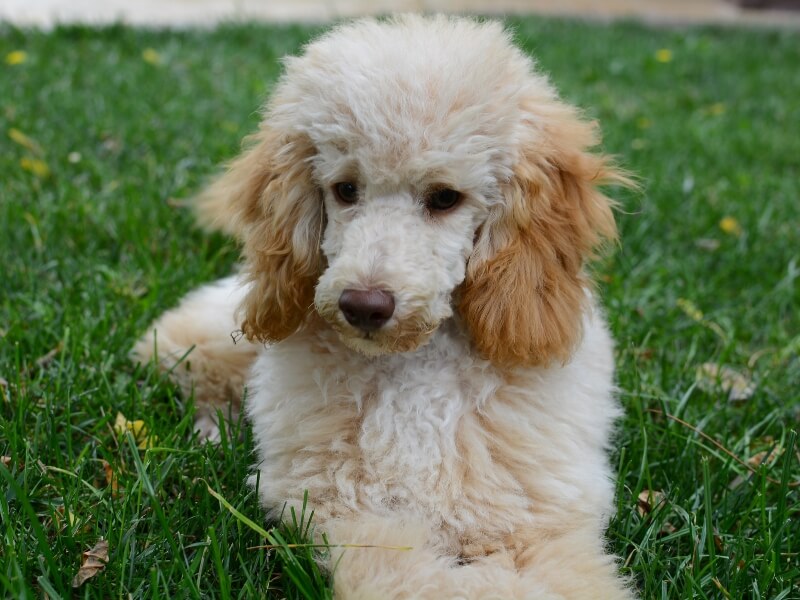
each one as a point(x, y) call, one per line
point(196, 343)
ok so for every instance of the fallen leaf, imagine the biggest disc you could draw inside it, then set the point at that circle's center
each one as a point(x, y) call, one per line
point(35, 166)
point(25, 141)
point(690, 309)
point(730, 226)
point(6, 460)
point(648, 501)
point(137, 428)
point(667, 528)
point(93, 562)
point(151, 56)
point(664, 55)
point(710, 377)
point(46, 359)
point(17, 57)
point(716, 109)
point(765, 457)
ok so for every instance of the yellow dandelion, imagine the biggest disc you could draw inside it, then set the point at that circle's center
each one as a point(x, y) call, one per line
point(35, 166)
point(730, 226)
point(664, 55)
point(151, 56)
point(17, 57)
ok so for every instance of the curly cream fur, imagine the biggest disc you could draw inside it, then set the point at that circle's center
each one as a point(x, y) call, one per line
point(473, 426)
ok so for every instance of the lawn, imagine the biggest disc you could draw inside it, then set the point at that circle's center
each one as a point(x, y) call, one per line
point(102, 130)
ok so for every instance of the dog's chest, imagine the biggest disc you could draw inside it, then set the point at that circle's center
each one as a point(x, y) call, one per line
point(409, 432)
point(383, 435)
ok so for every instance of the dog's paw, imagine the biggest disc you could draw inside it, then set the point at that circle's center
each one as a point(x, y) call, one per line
point(207, 428)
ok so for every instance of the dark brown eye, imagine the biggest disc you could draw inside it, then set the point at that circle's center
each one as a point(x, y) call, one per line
point(346, 192)
point(442, 199)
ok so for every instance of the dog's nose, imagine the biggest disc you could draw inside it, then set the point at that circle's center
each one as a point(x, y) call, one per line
point(366, 309)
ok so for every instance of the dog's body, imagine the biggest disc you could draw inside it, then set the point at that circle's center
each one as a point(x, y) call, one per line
point(439, 376)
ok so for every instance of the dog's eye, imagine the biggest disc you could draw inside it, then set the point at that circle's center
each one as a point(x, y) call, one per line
point(346, 192)
point(442, 199)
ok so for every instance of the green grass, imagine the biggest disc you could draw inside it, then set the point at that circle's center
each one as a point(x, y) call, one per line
point(93, 250)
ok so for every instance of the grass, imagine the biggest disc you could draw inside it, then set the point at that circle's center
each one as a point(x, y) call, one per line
point(115, 122)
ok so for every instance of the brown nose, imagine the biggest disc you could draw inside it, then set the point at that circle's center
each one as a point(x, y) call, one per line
point(366, 309)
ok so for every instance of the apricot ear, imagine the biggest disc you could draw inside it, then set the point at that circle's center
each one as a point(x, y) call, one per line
point(523, 304)
point(268, 200)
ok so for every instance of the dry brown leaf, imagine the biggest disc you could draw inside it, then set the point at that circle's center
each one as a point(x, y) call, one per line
point(667, 528)
point(93, 562)
point(46, 359)
point(648, 501)
point(711, 377)
point(765, 457)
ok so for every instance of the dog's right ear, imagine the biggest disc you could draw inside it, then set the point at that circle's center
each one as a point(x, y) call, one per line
point(268, 200)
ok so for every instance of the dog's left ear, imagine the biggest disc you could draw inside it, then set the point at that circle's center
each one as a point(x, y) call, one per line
point(526, 289)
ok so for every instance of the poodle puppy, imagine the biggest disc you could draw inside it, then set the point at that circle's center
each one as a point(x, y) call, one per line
point(423, 352)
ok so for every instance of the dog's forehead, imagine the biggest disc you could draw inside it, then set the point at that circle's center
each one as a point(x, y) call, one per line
point(412, 89)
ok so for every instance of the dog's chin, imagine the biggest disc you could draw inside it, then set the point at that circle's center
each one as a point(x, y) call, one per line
point(383, 342)
point(371, 347)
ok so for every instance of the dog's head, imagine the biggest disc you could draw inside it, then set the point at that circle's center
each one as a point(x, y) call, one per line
point(409, 170)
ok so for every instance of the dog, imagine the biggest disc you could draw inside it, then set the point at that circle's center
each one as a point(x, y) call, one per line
point(424, 353)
